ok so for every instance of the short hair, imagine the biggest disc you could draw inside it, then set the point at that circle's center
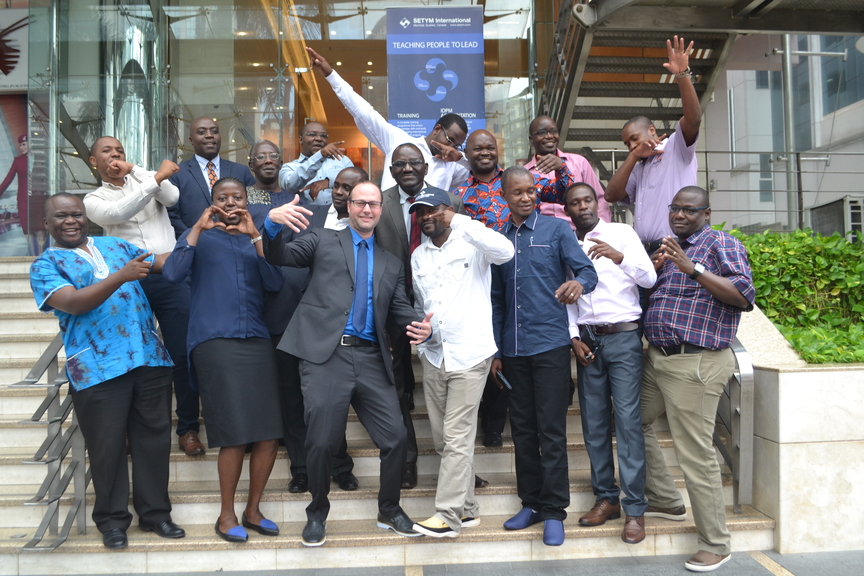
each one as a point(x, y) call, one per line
point(514, 172)
point(303, 128)
point(642, 122)
point(407, 145)
point(61, 195)
point(697, 191)
point(364, 176)
point(256, 144)
point(227, 180)
point(93, 146)
point(362, 182)
point(537, 119)
point(449, 119)
point(580, 185)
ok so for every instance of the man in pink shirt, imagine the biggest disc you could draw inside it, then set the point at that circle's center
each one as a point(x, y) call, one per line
point(543, 135)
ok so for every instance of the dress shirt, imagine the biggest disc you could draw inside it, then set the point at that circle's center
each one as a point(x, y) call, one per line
point(202, 162)
point(333, 222)
point(616, 297)
point(453, 281)
point(369, 331)
point(137, 211)
point(582, 171)
point(655, 181)
point(308, 169)
point(483, 200)
point(442, 174)
point(528, 318)
point(680, 310)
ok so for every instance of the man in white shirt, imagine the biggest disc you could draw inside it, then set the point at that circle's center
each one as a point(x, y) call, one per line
point(132, 204)
point(314, 172)
point(452, 276)
point(608, 347)
point(441, 147)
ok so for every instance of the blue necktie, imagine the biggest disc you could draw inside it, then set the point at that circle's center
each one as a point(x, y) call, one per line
point(361, 287)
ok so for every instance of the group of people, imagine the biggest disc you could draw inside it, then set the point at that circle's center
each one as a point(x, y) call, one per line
point(287, 292)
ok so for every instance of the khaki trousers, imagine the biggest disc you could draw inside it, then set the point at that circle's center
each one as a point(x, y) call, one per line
point(687, 387)
point(452, 400)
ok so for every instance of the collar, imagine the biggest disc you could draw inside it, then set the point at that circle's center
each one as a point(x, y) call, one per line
point(356, 238)
point(530, 222)
point(202, 162)
point(698, 236)
point(403, 196)
point(474, 181)
point(598, 229)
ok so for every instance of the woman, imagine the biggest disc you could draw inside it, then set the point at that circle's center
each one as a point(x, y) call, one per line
point(230, 350)
point(29, 204)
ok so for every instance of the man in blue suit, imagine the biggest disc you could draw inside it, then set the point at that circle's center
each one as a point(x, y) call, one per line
point(198, 174)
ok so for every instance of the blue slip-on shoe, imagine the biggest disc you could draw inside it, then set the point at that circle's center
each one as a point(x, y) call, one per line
point(236, 534)
point(266, 528)
point(525, 518)
point(553, 532)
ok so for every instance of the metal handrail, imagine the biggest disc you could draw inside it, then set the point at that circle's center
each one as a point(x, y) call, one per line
point(52, 452)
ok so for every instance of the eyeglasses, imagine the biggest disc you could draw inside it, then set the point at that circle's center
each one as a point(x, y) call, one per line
point(361, 204)
point(315, 134)
point(674, 209)
point(452, 143)
point(262, 157)
point(400, 164)
point(546, 132)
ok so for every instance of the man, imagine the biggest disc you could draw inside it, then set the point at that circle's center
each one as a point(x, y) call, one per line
point(440, 148)
point(452, 272)
point(604, 331)
point(530, 322)
point(704, 283)
point(399, 234)
point(265, 160)
point(655, 170)
point(314, 172)
point(198, 174)
point(338, 332)
point(132, 204)
point(119, 371)
point(544, 137)
point(337, 212)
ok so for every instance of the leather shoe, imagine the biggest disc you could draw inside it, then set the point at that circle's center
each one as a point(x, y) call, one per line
point(400, 523)
point(346, 481)
point(677, 514)
point(115, 538)
point(314, 533)
point(480, 482)
point(235, 534)
point(191, 444)
point(601, 512)
point(409, 475)
point(299, 484)
point(493, 440)
point(166, 529)
point(523, 519)
point(704, 561)
point(265, 528)
point(553, 532)
point(634, 529)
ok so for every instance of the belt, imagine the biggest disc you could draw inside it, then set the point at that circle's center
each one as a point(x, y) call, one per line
point(681, 349)
point(614, 328)
point(652, 247)
point(356, 341)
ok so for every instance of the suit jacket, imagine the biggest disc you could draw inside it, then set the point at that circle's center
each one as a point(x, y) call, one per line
point(319, 322)
point(195, 191)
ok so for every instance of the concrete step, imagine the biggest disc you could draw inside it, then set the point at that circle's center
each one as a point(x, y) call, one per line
point(14, 371)
point(15, 264)
point(28, 323)
point(359, 543)
point(25, 346)
point(14, 281)
point(17, 302)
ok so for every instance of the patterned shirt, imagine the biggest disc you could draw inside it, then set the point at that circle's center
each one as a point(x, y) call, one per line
point(681, 310)
point(483, 200)
point(116, 336)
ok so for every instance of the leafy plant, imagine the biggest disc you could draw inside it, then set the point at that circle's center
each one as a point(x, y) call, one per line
point(812, 288)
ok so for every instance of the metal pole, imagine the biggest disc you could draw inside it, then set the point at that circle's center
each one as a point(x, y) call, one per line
point(789, 123)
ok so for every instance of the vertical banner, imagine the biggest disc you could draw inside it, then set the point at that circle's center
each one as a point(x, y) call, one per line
point(435, 67)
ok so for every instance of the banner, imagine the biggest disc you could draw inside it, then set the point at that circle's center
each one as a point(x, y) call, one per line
point(435, 67)
point(13, 50)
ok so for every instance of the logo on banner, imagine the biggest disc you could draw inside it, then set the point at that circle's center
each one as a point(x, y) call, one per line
point(405, 22)
point(434, 78)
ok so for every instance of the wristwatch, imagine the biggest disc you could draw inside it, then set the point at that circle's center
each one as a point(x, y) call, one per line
point(698, 269)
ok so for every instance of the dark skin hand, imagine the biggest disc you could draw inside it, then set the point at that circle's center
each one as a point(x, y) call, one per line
point(549, 163)
point(601, 249)
point(445, 152)
point(316, 187)
point(497, 366)
point(569, 292)
point(719, 287)
point(332, 150)
point(583, 353)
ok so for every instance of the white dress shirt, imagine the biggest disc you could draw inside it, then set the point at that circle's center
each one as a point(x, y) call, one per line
point(616, 297)
point(454, 282)
point(136, 212)
point(333, 222)
point(442, 174)
point(305, 170)
point(202, 162)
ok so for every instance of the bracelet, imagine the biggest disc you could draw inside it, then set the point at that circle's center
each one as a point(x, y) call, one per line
point(684, 74)
point(256, 240)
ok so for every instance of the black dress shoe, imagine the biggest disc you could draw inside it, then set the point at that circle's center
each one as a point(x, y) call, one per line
point(314, 533)
point(401, 524)
point(480, 483)
point(493, 440)
point(299, 483)
point(347, 481)
point(409, 475)
point(115, 539)
point(166, 529)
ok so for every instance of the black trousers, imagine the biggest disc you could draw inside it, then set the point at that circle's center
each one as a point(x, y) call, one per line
point(293, 419)
point(538, 418)
point(137, 406)
point(493, 407)
point(403, 374)
point(352, 376)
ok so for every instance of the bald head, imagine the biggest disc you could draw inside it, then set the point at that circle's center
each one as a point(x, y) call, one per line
point(481, 149)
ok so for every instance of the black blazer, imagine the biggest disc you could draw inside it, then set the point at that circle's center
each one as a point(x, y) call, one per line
point(319, 321)
point(195, 191)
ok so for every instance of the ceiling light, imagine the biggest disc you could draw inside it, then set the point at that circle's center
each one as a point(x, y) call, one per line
point(241, 33)
point(338, 63)
point(369, 63)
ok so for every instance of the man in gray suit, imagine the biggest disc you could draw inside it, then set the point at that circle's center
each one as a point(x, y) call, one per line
point(399, 233)
point(338, 332)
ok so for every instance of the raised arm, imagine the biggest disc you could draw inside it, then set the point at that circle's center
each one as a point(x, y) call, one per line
point(679, 66)
point(138, 190)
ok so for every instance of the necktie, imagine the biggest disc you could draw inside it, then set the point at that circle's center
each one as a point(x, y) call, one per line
point(211, 174)
point(361, 287)
point(414, 233)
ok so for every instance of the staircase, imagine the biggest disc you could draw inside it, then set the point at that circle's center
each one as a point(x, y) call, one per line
point(352, 537)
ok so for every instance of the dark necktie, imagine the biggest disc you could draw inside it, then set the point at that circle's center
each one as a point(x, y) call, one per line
point(211, 174)
point(414, 233)
point(361, 288)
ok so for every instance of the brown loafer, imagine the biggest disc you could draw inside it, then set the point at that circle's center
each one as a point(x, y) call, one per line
point(677, 514)
point(191, 444)
point(634, 529)
point(601, 512)
point(704, 561)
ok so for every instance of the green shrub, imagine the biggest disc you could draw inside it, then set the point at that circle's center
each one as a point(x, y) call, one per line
point(812, 288)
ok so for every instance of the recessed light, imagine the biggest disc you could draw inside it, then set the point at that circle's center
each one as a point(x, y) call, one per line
point(368, 31)
point(368, 71)
point(338, 63)
point(369, 63)
point(332, 33)
point(371, 87)
point(241, 33)
point(256, 63)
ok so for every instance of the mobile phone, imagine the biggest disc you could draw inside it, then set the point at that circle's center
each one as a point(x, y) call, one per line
point(503, 380)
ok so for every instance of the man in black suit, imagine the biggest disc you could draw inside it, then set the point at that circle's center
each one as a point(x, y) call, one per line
point(338, 332)
point(398, 233)
point(198, 174)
